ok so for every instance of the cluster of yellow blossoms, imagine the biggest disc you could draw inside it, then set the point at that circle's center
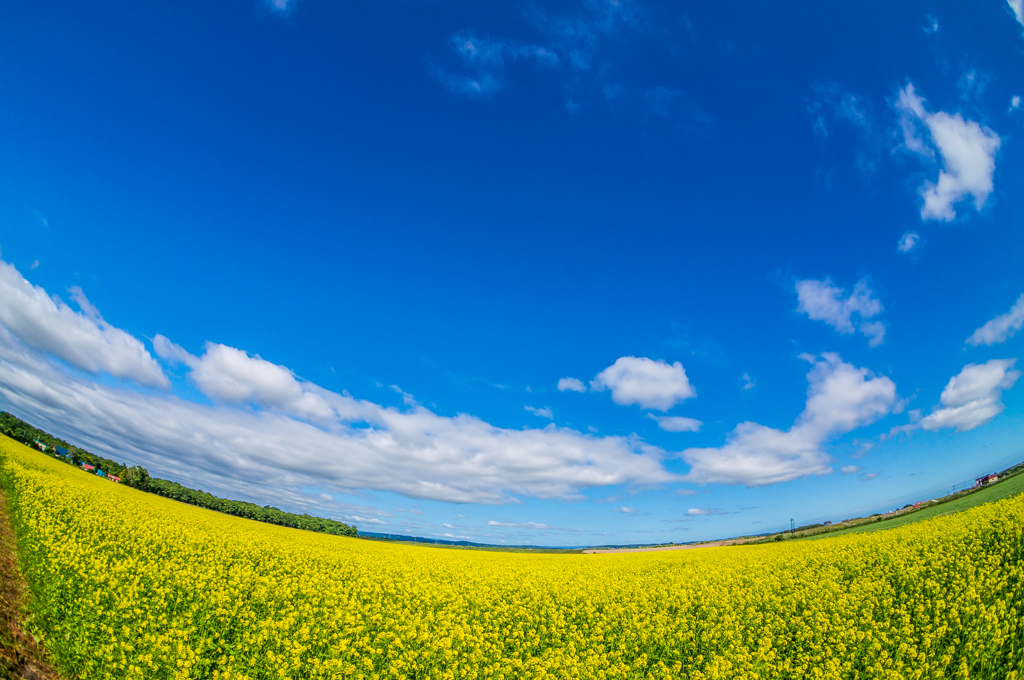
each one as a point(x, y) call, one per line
point(130, 585)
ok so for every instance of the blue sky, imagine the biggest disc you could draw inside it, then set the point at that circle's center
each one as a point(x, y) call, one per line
point(557, 273)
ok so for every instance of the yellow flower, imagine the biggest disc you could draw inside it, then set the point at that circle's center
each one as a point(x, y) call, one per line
point(131, 585)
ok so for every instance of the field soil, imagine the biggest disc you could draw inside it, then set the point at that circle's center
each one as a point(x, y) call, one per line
point(20, 655)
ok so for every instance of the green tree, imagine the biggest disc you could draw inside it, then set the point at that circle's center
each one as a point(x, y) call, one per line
point(137, 477)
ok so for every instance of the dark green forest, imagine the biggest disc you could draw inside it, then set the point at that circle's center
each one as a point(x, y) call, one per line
point(139, 478)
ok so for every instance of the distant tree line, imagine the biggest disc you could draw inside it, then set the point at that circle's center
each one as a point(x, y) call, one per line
point(139, 478)
point(20, 431)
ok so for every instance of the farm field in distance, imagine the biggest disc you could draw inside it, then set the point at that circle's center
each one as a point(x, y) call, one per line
point(1006, 488)
point(130, 585)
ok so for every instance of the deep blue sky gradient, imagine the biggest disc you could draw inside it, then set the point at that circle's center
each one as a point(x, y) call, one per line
point(303, 186)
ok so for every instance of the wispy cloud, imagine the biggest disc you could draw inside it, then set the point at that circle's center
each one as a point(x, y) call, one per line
point(660, 100)
point(544, 412)
point(1001, 328)
point(518, 525)
point(477, 84)
point(281, 6)
point(908, 241)
point(676, 423)
point(833, 109)
point(569, 43)
point(485, 58)
point(571, 385)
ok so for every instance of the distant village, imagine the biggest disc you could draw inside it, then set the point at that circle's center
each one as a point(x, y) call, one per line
point(66, 455)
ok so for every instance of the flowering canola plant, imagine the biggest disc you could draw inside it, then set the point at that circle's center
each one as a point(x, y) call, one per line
point(130, 585)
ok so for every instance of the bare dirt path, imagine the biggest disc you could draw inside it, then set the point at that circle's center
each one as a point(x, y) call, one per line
point(712, 544)
point(21, 658)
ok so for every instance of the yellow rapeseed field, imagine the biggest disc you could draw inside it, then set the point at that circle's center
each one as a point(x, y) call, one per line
point(130, 585)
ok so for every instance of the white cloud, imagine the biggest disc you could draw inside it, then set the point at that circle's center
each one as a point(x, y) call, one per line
point(908, 241)
point(231, 376)
point(967, 152)
point(1001, 328)
point(542, 412)
point(82, 339)
point(1017, 6)
point(651, 384)
point(270, 453)
point(868, 477)
point(35, 263)
point(973, 397)
point(1014, 106)
point(700, 512)
point(364, 520)
point(748, 382)
point(685, 492)
point(676, 423)
point(932, 26)
point(822, 301)
point(571, 385)
point(849, 469)
point(515, 525)
point(625, 510)
point(840, 398)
